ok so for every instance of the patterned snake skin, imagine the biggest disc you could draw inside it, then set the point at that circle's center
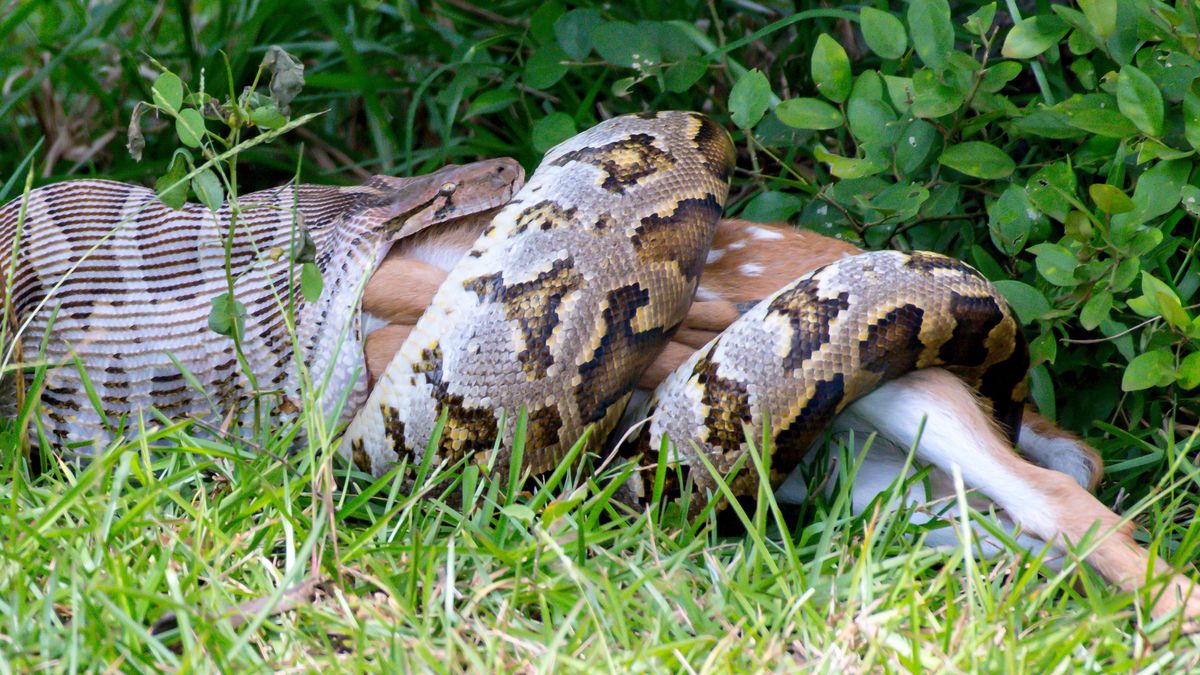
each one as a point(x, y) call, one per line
point(799, 357)
point(560, 305)
point(562, 302)
point(122, 285)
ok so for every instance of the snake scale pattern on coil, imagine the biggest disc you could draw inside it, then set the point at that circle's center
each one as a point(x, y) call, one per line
point(567, 296)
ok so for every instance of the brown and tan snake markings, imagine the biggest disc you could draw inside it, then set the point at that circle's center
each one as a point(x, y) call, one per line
point(801, 356)
point(564, 300)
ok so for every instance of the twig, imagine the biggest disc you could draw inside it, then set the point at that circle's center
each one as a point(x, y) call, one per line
point(1096, 341)
point(487, 14)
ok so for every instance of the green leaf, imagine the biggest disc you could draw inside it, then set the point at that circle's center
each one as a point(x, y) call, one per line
point(932, 32)
point(311, 283)
point(673, 41)
point(573, 31)
point(267, 117)
point(1102, 14)
point(541, 22)
point(999, 74)
point(1103, 122)
point(1041, 388)
point(932, 98)
point(772, 207)
point(749, 98)
point(1010, 219)
point(1191, 116)
point(883, 32)
point(1085, 71)
point(1190, 195)
point(174, 197)
point(900, 91)
point(189, 126)
point(625, 44)
point(1095, 311)
point(918, 144)
point(1157, 191)
point(831, 69)
point(849, 167)
point(808, 113)
point(1043, 348)
point(551, 130)
point(545, 67)
point(898, 202)
point(1080, 42)
point(560, 507)
point(1149, 150)
point(1165, 303)
point(1127, 271)
point(1033, 36)
point(227, 316)
point(871, 119)
point(622, 87)
point(305, 250)
point(980, 21)
point(978, 159)
point(1110, 199)
point(490, 101)
point(1152, 369)
point(1140, 100)
point(1050, 188)
point(1027, 301)
point(1077, 226)
point(207, 187)
point(1056, 263)
point(168, 91)
point(1189, 371)
point(681, 76)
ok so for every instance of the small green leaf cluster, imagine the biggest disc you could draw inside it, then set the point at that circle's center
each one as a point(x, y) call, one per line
point(212, 176)
point(1054, 152)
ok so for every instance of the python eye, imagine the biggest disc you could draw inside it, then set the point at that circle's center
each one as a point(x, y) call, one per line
point(447, 189)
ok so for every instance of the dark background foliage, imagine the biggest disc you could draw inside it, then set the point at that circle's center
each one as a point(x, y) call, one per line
point(1050, 145)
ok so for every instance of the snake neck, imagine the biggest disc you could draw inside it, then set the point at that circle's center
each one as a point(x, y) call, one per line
point(329, 329)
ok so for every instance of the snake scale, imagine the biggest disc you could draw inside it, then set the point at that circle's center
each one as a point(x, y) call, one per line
point(123, 286)
point(565, 298)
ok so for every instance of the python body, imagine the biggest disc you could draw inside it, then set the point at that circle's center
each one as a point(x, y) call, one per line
point(122, 286)
point(581, 279)
point(556, 310)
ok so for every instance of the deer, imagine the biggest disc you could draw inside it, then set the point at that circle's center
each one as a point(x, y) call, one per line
point(1040, 490)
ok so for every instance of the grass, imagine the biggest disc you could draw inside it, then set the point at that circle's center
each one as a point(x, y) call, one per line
point(138, 561)
point(96, 560)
